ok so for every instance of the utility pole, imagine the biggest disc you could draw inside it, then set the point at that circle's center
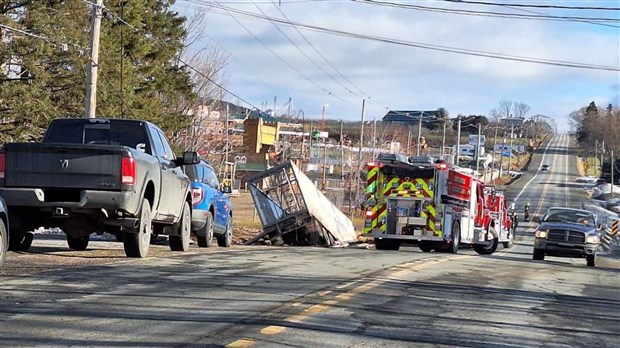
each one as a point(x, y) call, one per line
point(325, 163)
point(374, 137)
point(359, 155)
point(512, 128)
point(478, 148)
point(602, 154)
point(493, 152)
point(612, 173)
point(93, 64)
point(408, 142)
point(310, 146)
point(341, 149)
point(417, 152)
point(458, 142)
point(303, 133)
point(443, 140)
point(227, 137)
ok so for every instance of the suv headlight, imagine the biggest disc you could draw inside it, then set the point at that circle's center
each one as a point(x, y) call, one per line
point(541, 234)
point(593, 240)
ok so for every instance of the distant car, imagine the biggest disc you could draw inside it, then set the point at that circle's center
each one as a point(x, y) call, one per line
point(567, 232)
point(544, 167)
point(212, 213)
point(4, 231)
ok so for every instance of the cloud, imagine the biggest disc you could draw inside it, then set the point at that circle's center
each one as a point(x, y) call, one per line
point(405, 77)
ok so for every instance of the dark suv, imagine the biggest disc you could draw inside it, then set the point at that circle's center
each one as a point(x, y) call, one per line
point(567, 232)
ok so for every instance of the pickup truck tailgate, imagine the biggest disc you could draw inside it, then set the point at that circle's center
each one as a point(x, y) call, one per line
point(40, 165)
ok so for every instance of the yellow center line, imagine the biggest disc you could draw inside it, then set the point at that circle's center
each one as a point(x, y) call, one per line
point(327, 304)
point(242, 343)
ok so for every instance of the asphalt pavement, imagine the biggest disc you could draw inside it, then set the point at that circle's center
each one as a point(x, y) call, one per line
point(331, 297)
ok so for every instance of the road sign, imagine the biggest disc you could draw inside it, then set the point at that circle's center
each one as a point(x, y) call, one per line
point(614, 227)
point(473, 139)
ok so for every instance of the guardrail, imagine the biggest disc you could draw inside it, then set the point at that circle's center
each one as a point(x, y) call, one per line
point(610, 238)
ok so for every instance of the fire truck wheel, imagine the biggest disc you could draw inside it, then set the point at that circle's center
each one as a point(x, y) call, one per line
point(425, 247)
point(487, 249)
point(456, 238)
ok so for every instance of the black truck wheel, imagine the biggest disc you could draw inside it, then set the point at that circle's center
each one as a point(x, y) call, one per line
point(20, 241)
point(80, 243)
point(539, 254)
point(4, 242)
point(205, 240)
point(225, 240)
point(387, 244)
point(180, 242)
point(137, 244)
point(425, 247)
point(591, 260)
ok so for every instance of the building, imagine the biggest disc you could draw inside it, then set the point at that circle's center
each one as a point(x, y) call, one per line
point(411, 117)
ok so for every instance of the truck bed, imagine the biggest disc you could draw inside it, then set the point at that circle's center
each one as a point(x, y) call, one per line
point(66, 166)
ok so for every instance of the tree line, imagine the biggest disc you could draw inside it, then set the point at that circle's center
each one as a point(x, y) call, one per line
point(597, 128)
point(141, 72)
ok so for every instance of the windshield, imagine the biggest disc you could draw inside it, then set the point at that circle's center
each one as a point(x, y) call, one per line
point(569, 216)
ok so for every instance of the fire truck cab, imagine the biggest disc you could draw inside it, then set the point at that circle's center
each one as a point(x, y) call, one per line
point(433, 204)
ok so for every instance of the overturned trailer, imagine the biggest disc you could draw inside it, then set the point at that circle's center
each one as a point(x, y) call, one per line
point(294, 211)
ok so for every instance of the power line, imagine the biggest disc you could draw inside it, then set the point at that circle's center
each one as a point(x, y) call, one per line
point(302, 52)
point(228, 12)
point(320, 54)
point(179, 59)
point(562, 7)
point(440, 48)
point(580, 21)
point(486, 13)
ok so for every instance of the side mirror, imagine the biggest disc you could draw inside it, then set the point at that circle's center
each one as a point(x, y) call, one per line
point(512, 206)
point(190, 158)
point(226, 189)
point(536, 219)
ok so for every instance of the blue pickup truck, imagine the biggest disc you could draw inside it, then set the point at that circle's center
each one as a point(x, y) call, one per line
point(212, 213)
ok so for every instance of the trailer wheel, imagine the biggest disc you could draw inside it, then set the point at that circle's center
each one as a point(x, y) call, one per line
point(180, 242)
point(137, 244)
point(79, 243)
point(456, 238)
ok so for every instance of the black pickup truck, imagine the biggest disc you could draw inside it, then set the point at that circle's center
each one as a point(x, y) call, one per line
point(98, 175)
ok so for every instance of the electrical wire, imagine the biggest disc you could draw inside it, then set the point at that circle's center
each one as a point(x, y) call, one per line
point(579, 21)
point(561, 7)
point(320, 54)
point(441, 48)
point(486, 13)
point(302, 52)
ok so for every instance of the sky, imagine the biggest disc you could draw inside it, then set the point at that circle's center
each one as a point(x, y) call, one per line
point(263, 64)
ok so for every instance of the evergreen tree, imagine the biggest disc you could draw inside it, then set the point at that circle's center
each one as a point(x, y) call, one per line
point(45, 79)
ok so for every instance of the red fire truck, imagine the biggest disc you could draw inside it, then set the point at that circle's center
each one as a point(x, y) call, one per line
point(434, 205)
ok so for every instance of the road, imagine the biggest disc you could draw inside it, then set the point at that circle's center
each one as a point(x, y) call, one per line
point(317, 297)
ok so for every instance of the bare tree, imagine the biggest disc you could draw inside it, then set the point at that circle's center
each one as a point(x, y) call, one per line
point(208, 75)
point(503, 110)
point(520, 109)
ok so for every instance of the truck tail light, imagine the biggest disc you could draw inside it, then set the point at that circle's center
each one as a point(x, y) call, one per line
point(128, 171)
point(197, 196)
point(2, 165)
